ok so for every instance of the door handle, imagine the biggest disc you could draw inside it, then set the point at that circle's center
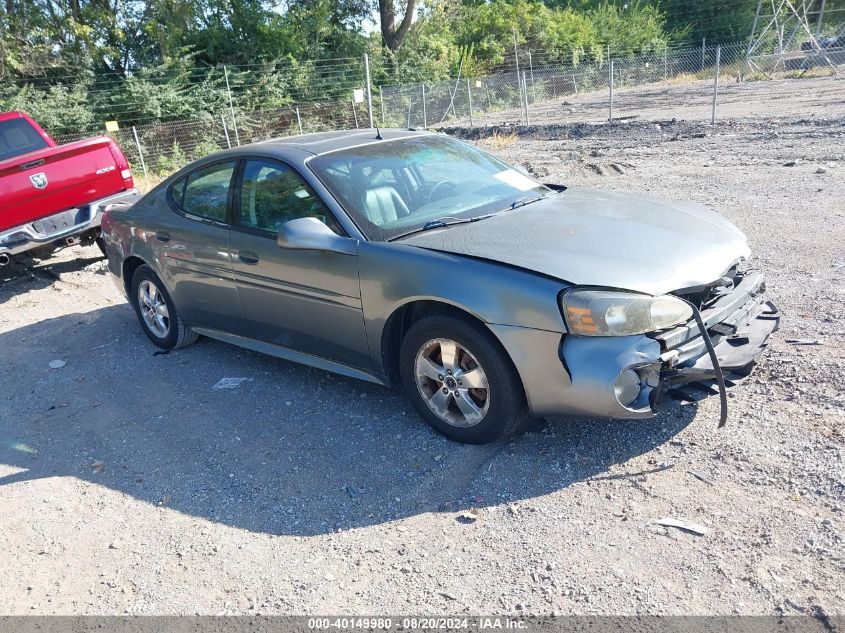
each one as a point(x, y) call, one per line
point(163, 236)
point(248, 257)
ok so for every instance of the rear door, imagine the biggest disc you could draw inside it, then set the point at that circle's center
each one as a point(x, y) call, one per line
point(192, 243)
point(305, 300)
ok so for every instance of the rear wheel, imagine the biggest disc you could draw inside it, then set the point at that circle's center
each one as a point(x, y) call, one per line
point(101, 244)
point(157, 313)
point(461, 380)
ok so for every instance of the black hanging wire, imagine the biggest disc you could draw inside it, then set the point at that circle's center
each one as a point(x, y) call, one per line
point(717, 369)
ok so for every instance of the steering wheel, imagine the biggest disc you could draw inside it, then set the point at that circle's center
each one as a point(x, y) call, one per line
point(443, 184)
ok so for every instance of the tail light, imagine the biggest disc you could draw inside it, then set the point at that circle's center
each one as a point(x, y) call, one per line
point(122, 164)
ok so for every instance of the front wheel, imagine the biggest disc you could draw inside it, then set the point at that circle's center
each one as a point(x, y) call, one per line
point(157, 312)
point(461, 380)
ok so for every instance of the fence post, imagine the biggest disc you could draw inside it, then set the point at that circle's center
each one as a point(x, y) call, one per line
point(140, 153)
point(410, 105)
point(665, 63)
point(354, 113)
point(716, 84)
point(531, 69)
point(525, 94)
point(369, 90)
point(381, 98)
point(425, 115)
point(226, 130)
point(610, 83)
point(231, 106)
point(298, 120)
point(703, 50)
point(518, 76)
point(469, 98)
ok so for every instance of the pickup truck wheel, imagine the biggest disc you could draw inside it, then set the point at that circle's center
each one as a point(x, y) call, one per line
point(460, 380)
point(157, 313)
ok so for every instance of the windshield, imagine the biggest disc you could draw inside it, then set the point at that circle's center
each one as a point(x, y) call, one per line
point(397, 187)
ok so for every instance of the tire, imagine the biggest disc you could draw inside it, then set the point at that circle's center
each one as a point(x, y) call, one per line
point(162, 327)
point(499, 410)
point(101, 244)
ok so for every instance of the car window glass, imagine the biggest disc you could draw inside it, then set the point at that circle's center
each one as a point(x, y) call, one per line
point(273, 193)
point(447, 179)
point(207, 191)
point(18, 137)
point(436, 171)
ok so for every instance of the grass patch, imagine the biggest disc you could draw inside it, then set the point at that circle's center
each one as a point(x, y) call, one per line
point(145, 183)
point(500, 141)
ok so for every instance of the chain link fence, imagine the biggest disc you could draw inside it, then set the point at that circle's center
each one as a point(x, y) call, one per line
point(707, 83)
point(704, 83)
point(336, 97)
point(157, 149)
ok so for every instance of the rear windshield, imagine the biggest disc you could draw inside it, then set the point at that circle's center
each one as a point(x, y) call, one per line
point(18, 137)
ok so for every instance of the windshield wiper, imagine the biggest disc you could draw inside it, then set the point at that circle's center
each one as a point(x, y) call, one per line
point(521, 202)
point(440, 223)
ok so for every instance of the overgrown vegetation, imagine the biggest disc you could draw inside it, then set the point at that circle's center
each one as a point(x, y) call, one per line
point(74, 64)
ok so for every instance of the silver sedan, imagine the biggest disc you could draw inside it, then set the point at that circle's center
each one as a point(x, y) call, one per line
point(410, 258)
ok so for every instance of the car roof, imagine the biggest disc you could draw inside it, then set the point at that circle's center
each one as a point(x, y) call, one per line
point(324, 142)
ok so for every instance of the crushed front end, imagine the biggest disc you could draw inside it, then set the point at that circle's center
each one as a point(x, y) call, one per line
point(739, 321)
point(628, 376)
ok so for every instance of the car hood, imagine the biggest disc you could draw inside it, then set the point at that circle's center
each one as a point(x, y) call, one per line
point(602, 238)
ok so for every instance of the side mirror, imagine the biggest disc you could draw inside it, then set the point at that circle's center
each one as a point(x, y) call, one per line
point(309, 234)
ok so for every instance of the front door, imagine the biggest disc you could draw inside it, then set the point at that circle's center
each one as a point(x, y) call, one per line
point(305, 300)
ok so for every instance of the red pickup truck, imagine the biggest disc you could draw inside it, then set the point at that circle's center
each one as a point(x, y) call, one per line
point(54, 195)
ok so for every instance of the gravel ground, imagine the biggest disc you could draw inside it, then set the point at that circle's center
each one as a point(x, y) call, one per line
point(129, 485)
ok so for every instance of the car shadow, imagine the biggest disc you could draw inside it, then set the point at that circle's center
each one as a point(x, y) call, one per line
point(25, 273)
point(289, 450)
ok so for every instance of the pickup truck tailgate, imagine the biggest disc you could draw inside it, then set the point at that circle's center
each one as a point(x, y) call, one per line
point(47, 181)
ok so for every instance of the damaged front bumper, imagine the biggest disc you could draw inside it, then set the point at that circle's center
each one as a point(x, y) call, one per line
point(690, 373)
point(738, 323)
point(628, 376)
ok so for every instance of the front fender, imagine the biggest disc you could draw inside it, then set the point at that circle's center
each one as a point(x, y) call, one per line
point(394, 275)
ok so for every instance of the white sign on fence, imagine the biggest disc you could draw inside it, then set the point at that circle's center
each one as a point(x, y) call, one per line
point(358, 95)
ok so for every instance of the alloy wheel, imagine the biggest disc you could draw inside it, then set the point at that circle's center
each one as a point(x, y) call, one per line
point(452, 382)
point(153, 309)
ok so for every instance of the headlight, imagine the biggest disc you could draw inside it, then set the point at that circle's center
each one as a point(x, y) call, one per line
point(611, 313)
